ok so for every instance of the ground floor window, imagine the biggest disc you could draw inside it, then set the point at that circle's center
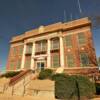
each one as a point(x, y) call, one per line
point(70, 60)
point(27, 63)
point(12, 65)
point(18, 64)
point(84, 59)
point(55, 60)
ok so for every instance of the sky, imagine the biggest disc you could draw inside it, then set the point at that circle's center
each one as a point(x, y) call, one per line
point(18, 16)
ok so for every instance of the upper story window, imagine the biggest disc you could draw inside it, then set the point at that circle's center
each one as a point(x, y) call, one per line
point(70, 60)
point(68, 41)
point(41, 46)
point(81, 38)
point(55, 43)
point(29, 48)
point(14, 50)
point(84, 59)
point(20, 50)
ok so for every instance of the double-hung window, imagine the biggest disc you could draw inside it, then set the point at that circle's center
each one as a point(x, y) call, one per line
point(55, 60)
point(12, 65)
point(70, 60)
point(84, 59)
point(27, 63)
point(81, 38)
point(18, 64)
point(55, 43)
point(68, 41)
point(41, 46)
point(29, 48)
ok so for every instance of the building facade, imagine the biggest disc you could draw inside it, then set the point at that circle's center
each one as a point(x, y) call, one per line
point(68, 45)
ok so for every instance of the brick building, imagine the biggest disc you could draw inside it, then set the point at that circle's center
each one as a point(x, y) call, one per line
point(68, 45)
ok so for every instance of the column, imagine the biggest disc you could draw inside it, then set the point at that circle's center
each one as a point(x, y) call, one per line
point(48, 54)
point(61, 52)
point(23, 57)
point(32, 57)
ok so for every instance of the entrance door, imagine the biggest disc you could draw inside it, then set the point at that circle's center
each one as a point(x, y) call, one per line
point(40, 65)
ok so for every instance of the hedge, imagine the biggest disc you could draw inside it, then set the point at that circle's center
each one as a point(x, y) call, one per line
point(45, 74)
point(10, 74)
point(73, 87)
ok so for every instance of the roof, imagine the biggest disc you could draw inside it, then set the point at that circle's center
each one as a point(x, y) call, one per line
point(52, 28)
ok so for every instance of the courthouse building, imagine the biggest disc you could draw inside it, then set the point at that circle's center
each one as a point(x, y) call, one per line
point(68, 45)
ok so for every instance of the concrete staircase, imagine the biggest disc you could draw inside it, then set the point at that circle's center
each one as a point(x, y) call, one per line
point(18, 83)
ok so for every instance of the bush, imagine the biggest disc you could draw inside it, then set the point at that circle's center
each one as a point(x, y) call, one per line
point(45, 74)
point(73, 87)
point(10, 74)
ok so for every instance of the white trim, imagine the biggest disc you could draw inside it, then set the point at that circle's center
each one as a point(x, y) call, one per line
point(38, 56)
point(48, 53)
point(61, 52)
point(23, 57)
point(33, 53)
point(76, 31)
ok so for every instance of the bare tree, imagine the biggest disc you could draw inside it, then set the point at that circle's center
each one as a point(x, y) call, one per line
point(91, 51)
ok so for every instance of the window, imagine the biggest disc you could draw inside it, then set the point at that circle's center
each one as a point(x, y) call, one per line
point(55, 43)
point(84, 59)
point(29, 48)
point(12, 65)
point(70, 60)
point(14, 51)
point(38, 46)
point(18, 64)
point(20, 50)
point(41, 46)
point(68, 41)
point(27, 63)
point(81, 38)
point(55, 60)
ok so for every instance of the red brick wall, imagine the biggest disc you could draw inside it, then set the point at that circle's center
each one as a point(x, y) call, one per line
point(14, 57)
point(76, 49)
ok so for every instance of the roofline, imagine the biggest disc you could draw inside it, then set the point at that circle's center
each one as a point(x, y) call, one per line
point(52, 28)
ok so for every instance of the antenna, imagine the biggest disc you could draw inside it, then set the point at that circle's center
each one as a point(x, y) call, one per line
point(79, 6)
point(0, 65)
point(71, 17)
point(65, 19)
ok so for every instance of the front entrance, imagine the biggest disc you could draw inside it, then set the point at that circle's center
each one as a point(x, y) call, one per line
point(40, 65)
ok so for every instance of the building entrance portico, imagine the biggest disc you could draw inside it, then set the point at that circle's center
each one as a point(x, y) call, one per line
point(40, 63)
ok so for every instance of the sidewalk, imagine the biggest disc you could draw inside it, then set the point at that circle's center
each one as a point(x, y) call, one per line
point(8, 97)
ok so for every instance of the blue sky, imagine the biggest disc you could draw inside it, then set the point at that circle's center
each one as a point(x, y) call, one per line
point(18, 16)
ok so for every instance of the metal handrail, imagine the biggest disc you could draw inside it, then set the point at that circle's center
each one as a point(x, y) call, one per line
point(18, 77)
